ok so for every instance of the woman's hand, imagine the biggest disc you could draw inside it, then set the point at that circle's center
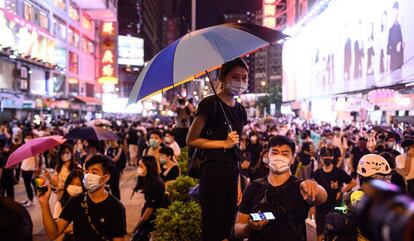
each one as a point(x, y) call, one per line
point(232, 140)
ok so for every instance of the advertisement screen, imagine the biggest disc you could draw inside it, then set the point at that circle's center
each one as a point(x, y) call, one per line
point(130, 51)
point(353, 45)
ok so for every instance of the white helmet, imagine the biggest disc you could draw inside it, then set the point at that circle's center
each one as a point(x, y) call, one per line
point(372, 164)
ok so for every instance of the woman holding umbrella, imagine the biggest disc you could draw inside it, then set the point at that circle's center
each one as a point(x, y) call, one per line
point(220, 138)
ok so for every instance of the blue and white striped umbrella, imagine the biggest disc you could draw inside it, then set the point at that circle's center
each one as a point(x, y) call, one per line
point(199, 51)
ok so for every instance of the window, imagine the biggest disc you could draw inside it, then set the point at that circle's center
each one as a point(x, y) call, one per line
point(59, 28)
point(73, 37)
point(43, 19)
point(86, 23)
point(73, 63)
point(74, 12)
point(28, 11)
point(60, 4)
point(87, 46)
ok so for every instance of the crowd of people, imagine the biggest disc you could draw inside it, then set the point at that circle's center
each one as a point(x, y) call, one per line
point(287, 166)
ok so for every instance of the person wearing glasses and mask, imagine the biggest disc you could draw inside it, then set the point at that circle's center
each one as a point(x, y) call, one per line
point(210, 131)
point(96, 214)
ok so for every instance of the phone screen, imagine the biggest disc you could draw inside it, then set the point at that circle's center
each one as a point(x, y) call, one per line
point(269, 215)
point(262, 216)
point(255, 217)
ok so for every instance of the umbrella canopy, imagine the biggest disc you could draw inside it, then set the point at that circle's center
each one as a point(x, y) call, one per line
point(92, 133)
point(99, 122)
point(34, 147)
point(203, 50)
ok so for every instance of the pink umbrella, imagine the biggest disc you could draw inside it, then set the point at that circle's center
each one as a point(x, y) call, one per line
point(34, 147)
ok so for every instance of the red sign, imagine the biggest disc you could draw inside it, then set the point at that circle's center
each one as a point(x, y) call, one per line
point(108, 70)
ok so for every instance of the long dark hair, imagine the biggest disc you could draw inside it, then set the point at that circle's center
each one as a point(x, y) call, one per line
point(59, 162)
point(152, 168)
point(74, 173)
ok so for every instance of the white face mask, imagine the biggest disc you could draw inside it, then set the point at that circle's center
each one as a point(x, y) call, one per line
point(265, 160)
point(66, 157)
point(74, 190)
point(167, 140)
point(92, 182)
point(236, 88)
point(278, 164)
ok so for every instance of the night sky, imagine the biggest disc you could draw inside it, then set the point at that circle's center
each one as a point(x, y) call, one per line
point(210, 11)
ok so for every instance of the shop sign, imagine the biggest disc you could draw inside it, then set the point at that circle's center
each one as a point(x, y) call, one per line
point(28, 104)
point(383, 97)
point(25, 38)
point(108, 70)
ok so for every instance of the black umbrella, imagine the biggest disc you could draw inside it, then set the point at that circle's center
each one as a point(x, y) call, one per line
point(91, 133)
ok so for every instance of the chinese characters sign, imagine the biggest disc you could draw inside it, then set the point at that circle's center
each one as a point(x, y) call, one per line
point(108, 69)
point(269, 13)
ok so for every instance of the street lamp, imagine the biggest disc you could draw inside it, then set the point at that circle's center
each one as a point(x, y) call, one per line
point(263, 83)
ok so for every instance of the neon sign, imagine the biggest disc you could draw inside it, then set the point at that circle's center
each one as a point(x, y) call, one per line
point(108, 60)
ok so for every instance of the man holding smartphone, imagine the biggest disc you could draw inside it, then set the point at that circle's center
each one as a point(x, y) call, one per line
point(283, 195)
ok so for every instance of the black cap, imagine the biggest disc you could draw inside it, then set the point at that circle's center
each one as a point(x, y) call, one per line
point(326, 152)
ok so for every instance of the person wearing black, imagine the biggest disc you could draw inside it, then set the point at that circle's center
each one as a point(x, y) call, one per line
point(169, 168)
point(254, 148)
point(262, 167)
point(288, 198)
point(153, 189)
point(6, 174)
point(183, 120)
point(356, 153)
point(15, 221)
point(390, 143)
point(395, 46)
point(396, 177)
point(210, 131)
point(132, 141)
point(118, 161)
point(332, 179)
point(96, 214)
point(337, 161)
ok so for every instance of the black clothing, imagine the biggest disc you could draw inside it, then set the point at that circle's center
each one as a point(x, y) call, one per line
point(357, 154)
point(260, 172)
point(287, 205)
point(15, 221)
point(108, 217)
point(332, 182)
point(7, 177)
point(28, 183)
point(171, 175)
point(398, 180)
point(219, 174)
point(132, 137)
point(392, 151)
point(254, 150)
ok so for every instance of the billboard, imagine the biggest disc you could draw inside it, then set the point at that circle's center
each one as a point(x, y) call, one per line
point(130, 51)
point(353, 45)
point(108, 70)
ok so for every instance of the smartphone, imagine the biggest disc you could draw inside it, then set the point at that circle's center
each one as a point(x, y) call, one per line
point(262, 216)
point(40, 185)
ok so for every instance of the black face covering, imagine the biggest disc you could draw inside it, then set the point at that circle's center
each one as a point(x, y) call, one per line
point(327, 161)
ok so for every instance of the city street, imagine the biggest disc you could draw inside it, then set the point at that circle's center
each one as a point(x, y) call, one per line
point(133, 206)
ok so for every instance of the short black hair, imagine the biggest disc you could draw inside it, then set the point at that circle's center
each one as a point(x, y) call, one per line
point(99, 159)
point(15, 221)
point(168, 151)
point(171, 133)
point(389, 158)
point(228, 66)
point(280, 140)
point(156, 132)
point(326, 152)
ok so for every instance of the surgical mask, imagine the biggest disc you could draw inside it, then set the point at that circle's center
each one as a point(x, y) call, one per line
point(390, 144)
point(92, 182)
point(153, 143)
point(236, 88)
point(328, 141)
point(254, 138)
point(167, 140)
point(140, 172)
point(66, 157)
point(265, 160)
point(163, 161)
point(74, 190)
point(278, 164)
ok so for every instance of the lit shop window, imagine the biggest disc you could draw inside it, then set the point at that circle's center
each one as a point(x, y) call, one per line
point(74, 12)
point(87, 46)
point(43, 19)
point(59, 28)
point(73, 63)
point(60, 4)
point(28, 11)
point(73, 38)
point(9, 5)
point(86, 23)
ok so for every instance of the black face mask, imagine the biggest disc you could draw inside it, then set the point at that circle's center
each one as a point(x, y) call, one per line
point(327, 161)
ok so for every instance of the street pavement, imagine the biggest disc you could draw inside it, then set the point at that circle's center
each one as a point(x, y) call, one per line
point(133, 206)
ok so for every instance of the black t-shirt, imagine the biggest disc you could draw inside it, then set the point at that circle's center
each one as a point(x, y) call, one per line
point(108, 217)
point(254, 150)
point(287, 205)
point(332, 182)
point(216, 128)
point(154, 194)
point(171, 175)
point(357, 153)
point(132, 137)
